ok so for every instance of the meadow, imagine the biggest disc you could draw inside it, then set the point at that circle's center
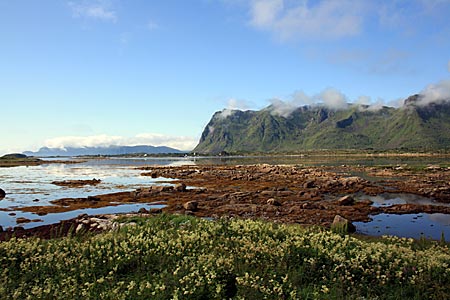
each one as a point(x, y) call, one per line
point(181, 257)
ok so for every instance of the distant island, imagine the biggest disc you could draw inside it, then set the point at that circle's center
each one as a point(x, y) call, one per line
point(415, 126)
point(110, 150)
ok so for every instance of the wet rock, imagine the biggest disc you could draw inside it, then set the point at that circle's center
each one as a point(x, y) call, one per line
point(189, 213)
point(1, 229)
point(36, 200)
point(346, 200)
point(143, 210)
point(341, 224)
point(75, 183)
point(2, 194)
point(191, 205)
point(155, 210)
point(181, 187)
point(273, 202)
point(93, 198)
point(162, 188)
point(22, 220)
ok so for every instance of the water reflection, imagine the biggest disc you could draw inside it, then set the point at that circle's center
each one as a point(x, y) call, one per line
point(388, 199)
point(408, 225)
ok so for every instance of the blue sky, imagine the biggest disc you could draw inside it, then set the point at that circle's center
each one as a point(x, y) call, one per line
point(100, 72)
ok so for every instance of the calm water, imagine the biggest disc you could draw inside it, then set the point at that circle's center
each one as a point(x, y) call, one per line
point(25, 184)
point(32, 186)
point(409, 225)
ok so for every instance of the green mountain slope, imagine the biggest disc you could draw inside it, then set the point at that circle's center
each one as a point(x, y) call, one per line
point(412, 126)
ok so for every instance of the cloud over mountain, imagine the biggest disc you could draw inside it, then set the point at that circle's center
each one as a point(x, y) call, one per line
point(153, 139)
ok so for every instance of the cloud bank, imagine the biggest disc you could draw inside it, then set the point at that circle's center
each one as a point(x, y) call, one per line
point(330, 98)
point(93, 9)
point(153, 139)
point(436, 93)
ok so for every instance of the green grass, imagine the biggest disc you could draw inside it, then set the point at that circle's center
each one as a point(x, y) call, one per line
point(179, 257)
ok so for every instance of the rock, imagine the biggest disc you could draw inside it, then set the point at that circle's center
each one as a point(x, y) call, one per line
point(189, 213)
point(346, 200)
point(181, 187)
point(20, 220)
point(155, 210)
point(162, 188)
point(342, 225)
point(1, 229)
point(274, 202)
point(36, 200)
point(79, 228)
point(93, 198)
point(191, 205)
point(2, 194)
point(143, 210)
point(82, 216)
point(309, 184)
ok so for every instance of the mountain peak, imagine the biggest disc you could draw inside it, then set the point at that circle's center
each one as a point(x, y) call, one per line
point(293, 129)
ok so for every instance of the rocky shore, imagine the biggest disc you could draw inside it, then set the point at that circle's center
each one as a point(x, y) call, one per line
point(283, 193)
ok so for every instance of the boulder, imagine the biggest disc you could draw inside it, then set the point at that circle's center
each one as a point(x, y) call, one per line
point(309, 184)
point(346, 200)
point(2, 194)
point(181, 187)
point(143, 210)
point(273, 201)
point(342, 225)
point(155, 210)
point(191, 205)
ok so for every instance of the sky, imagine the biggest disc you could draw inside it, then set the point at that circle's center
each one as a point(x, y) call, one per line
point(117, 72)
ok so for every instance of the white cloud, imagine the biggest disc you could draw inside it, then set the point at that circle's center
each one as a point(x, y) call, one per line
point(330, 98)
point(312, 19)
point(95, 9)
point(237, 104)
point(234, 105)
point(436, 93)
point(333, 99)
point(153, 139)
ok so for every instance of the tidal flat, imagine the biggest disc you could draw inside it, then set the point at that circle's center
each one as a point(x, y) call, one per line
point(305, 190)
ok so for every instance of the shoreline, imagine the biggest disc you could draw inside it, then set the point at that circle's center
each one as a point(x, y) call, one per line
point(279, 193)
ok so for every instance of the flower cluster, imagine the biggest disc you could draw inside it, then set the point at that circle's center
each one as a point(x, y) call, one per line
point(178, 257)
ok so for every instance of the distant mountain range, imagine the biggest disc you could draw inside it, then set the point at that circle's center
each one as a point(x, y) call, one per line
point(111, 150)
point(413, 126)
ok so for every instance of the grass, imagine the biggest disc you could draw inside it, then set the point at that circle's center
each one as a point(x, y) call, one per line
point(180, 257)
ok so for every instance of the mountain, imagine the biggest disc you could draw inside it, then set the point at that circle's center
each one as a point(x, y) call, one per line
point(111, 150)
point(414, 126)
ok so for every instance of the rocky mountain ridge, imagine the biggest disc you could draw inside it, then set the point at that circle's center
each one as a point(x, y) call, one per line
point(414, 126)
